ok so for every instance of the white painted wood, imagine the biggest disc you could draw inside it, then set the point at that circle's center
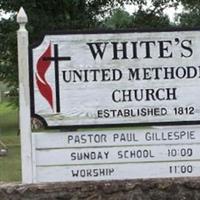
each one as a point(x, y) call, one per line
point(118, 171)
point(56, 156)
point(118, 136)
point(34, 163)
point(91, 102)
point(24, 98)
point(116, 155)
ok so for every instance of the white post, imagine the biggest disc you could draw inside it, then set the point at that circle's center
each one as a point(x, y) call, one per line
point(24, 98)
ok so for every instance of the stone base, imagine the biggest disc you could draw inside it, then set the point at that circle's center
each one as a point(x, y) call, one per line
point(151, 189)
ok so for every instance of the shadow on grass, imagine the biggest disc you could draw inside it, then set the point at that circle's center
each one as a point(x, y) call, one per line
point(10, 167)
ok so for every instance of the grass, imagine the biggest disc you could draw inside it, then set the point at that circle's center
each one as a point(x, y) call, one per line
point(10, 167)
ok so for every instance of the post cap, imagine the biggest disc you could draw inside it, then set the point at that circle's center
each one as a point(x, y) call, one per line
point(22, 17)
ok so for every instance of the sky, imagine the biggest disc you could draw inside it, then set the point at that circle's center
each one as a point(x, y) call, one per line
point(4, 15)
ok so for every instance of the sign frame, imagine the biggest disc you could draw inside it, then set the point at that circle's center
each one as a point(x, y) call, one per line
point(75, 126)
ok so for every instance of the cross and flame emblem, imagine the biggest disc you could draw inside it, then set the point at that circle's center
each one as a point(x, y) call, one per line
point(43, 64)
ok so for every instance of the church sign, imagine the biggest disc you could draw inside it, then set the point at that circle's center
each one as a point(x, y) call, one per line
point(105, 79)
point(116, 78)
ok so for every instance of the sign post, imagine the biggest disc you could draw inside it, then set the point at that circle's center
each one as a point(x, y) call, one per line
point(24, 98)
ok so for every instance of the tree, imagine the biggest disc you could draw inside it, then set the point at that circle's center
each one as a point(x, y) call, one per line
point(47, 15)
point(8, 49)
point(145, 17)
point(152, 15)
point(191, 15)
point(118, 19)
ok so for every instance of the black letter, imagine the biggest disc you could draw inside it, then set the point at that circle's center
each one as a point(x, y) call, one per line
point(114, 97)
point(189, 49)
point(164, 48)
point(115, 50)
point(147, 46)
point(133, 74)
point(98, 49)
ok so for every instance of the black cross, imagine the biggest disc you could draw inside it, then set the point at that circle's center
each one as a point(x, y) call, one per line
point(56, 60)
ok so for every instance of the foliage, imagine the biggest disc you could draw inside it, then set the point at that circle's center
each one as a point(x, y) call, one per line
point(46, 16)
point(140, 19)
point(189, 19)
point(71, 14)
point(118, 19)
point(8, 47)
point(63, 14)
point(150, 20)
point(191, 15)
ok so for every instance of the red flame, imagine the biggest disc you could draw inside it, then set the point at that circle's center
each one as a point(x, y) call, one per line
point(42, 67)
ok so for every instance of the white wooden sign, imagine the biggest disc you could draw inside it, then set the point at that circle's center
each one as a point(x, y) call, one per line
point(110, 79)
point(113, 154)
point(117, 78)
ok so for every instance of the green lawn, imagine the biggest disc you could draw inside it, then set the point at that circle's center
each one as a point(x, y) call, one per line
point(10, 167)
